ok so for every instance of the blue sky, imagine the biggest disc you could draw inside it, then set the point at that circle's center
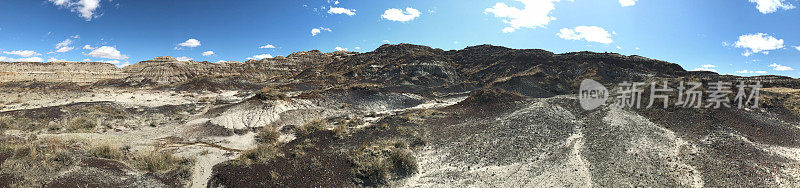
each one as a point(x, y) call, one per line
point(741, 37)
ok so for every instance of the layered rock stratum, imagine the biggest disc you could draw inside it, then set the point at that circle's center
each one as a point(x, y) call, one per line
point(399, 116)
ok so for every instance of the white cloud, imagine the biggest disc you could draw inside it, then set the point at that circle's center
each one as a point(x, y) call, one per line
point(183, 58)
point(65, 49)
point(27, 59)
point(358, 48)
point(64, 43)
point(627, 3)
point(535, 14)
point(705, 69)
point(751, 72)
point(208, 53)
point(760, 42)
point(340, 49)
point(797, 47)
point(709, 68)
point(340, 10)
point(777, 67)
point(108, 52)
point(191, 43)
point(87, 60)
point(88, 47)
point(770, 6)
point(118, 63)
point(317, 31)
point(64, 46)
point(588, 33)
point(260, 57)
point(267, 46)
point(398, 15)
point(84, 8)
point(23, 53)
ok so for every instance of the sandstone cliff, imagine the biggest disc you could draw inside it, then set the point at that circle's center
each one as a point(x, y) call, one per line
point(78, 72)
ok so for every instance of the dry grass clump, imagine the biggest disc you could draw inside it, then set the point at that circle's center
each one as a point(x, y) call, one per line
point(261, 154)
point(106, 151)
point(376, 164)
point(109, 111)
point(5, 123)
point(340, 131)
point(268, 135)
point(310, 127)
point(81, 124)
point(38, 160)
point(3, 126)
point(271, 94)
point(364, 86)
point(423, 114)
point(348, 121)
point(159, 161)
point(17, 123)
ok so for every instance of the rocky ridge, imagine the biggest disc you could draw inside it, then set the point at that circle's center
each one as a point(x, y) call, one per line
point(400, 116)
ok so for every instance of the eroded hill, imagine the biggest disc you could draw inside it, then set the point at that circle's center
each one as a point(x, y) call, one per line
point(400, 116)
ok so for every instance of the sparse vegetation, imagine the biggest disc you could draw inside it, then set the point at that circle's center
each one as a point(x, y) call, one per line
point(5, 123)
point(81, 124)
point(310, 127)
point(340, 131)
point(261, 154)
point(109, 111)
point(268, 135)
point(423, 114)
point(106, 151)
point(376, 164)
point(18, 123)
point(364, 86)
point(158, 161)
point(37, 160)
point(270, 94)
